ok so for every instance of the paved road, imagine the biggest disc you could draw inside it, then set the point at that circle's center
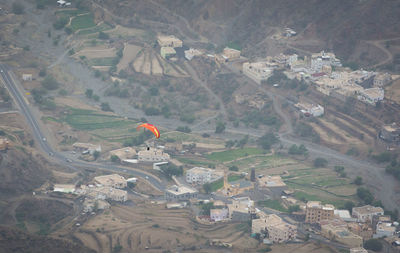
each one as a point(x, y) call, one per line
point(40, 138)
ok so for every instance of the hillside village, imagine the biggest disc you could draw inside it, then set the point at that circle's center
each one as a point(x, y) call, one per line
point(241, 161)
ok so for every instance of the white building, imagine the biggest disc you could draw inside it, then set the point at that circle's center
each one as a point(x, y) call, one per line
point(372, 95)
point(344, 215)
point(198, 175)
point(384, 229)
point(64, 188)
point(278, 231)
point(177, 193)
point(104, 193)
point(308, 109)
point(189, 54)
point(323, 59)
point(113, 180)
point(152, 155)
point(219, 214)
point(27, 77)
point(365, 213)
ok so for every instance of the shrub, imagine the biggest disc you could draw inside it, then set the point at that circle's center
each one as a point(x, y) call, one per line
point(103, 36)
point(18, 8)
point(60, 23)
point(320, 162)
point(106, 107)
point(50, 83)
point(373, 244)
point(267, 140)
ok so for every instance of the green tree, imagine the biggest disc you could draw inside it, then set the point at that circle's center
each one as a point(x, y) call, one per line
point(96, 155)
point(89, 93)
point(358, 180)
point(348, 205)
point(220, 127)
point(114, 159)
point(365, 195)
point(50, 83)
point(233, 168)
point(171, 170)
point(60, 23)
point(18, 8)
point(207, 188)
point(103, 36)
point(373, 244)
point(294, 208)
point(106, 107)
point(320, 162)
point(267, 140)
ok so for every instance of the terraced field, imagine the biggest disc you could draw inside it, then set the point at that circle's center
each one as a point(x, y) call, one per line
point(152, 226)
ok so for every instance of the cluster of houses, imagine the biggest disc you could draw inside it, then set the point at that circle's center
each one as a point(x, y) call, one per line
point(107, 187)
point(326, 72)
point(362, 224)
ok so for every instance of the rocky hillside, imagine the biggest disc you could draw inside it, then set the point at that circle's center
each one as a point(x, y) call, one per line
point(341, 24)
point(17, 241)
point(21, 172)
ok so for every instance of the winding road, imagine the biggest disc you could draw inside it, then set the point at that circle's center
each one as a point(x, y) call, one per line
point(61, 159)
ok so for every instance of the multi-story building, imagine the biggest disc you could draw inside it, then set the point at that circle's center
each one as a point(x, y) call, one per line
point(337, 230)
point(372, 95)
point(258, 71)
point(177, 193)
point(365, 213)
point(198, 175)
point(274, 228)
point(169, 41)
point(390, 133)
point(384, 229)
point(241, 209)
point(152, 155)
point(316, 212)
point(382, 79)
point(323, 59)
point(108, 193)
point(113, 180)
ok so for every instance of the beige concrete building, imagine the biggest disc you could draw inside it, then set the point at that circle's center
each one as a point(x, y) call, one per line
point(4, 143)
point(231, 53)
point(258, 71)
point(316, 212)
point(358, 250)
point(113, 180)
point(219, 214)
point(90, 205)
point(177, 193)
point(241, 209)
point(277, 230)
point(169, 41)
point(167, 52)
point(86, 147)
point(198, 175)
point(27, 77)
point(309, 109)
point(152, 155)
point(124, 153)
point(384, 229)
point(372, 95)
point(382, 79)
point(339, 233)
point(365, 213)
point(104, 193)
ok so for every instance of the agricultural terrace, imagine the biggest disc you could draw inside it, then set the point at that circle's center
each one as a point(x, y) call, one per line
point(103, 126)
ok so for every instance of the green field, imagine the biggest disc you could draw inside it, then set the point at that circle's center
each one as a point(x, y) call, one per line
point(82, 22)
point(70, 13)
point(216, 185)
point(273, 204)
point(232, 178)
point(196, 162)
point(262, 162)
point(187, 137)
point(233, 154)
point(106, 61)
point(98, 28)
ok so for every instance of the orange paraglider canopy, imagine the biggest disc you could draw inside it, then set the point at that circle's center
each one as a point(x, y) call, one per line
point(150, 127)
